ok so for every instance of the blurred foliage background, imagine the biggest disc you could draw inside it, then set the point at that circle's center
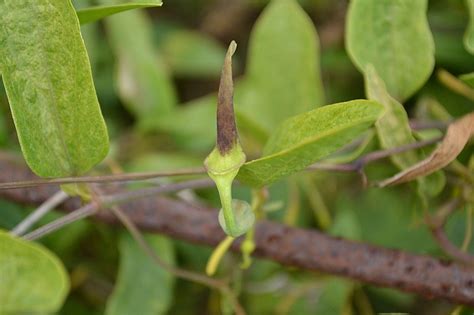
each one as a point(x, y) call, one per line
point(172, 56)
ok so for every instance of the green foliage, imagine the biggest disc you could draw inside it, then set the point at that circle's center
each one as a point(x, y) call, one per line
point(192, 54)
point(393, 130)
point(333, 297)
point(47, 77)
point(282, 77)
point(395, 38)
point(33, 280)
point(469, 35)
point(92, 14)
point(399, 228)
point(174, 54)
point(142, 286)
point(308, 137)
point(468, 78)
point(143, 82)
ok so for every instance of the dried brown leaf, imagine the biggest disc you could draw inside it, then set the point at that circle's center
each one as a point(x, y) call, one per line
point(456, 138)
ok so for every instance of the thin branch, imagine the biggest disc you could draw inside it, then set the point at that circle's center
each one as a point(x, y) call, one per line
point(69, 218)
point(468, 234)
point(147, 192)
point(178, 272)
point(101, 179)
point(306, 249)
point(138, 237)
point(110, 200)
point(55, 200)
point(428, 124)
point(436, 225)
point(449, 248)
point(359, 164)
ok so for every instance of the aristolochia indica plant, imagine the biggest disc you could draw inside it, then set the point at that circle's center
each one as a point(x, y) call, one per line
point(47, 76)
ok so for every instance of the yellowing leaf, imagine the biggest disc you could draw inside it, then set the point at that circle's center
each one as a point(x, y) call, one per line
point(32, 280)
point(395, 37)
point(456, 138)
point(47, 76)
point(306, 138)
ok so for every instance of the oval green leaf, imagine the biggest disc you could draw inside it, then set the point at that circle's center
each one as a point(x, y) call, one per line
point(142, 286)
point(33, 280)
point(306, 138)
point(395, 37)
point(143, 82)
point(95, 13)
point(191, 54)
point(283, 77)
point(47, 76)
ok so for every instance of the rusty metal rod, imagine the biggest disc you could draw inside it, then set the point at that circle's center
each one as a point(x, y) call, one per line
point(307, 249)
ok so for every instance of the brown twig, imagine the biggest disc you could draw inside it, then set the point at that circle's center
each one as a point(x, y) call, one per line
point(355, 166)
point(306, 249)
point(436, 225)
point(359, 164)
point(428, 124)
point(57, 224)
point(178, 272)
point(111, 200)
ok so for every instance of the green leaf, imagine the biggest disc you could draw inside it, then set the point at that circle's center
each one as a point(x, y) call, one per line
point(47, 77)
point(142, 78)
point(93, 14)
point(193, 124)
point(306, 138)
point(393, 130)
point(32, 278)
point(192, 54)
point(469, 34)
point(142, 286)
point(334, 296)
point(399, 227)
point(346, 156)
point(395, 37)
point(468, 78)
point(282, 77)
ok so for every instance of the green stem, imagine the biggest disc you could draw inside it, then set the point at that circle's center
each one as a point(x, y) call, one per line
point(224, 186)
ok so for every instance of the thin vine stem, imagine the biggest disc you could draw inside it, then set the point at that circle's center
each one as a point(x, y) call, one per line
point(55, 200)
point(57, 224)
point(152, 191)
point(437, 224)
point(101, 178)
point(359, 164)
point(110, 200)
